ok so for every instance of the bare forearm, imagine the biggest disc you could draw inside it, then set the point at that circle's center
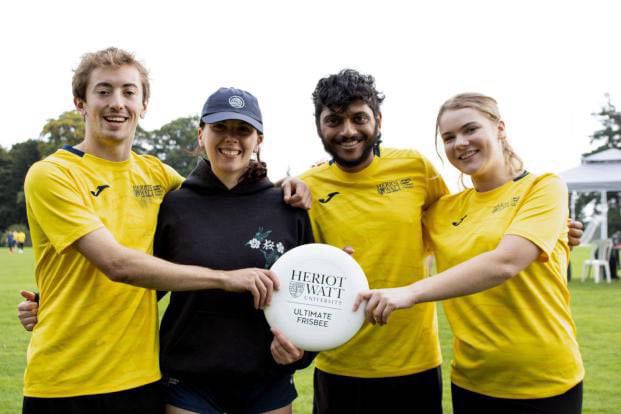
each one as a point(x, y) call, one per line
point(125, 265)
point(479, 273)
point(475, 275)
point(139, 269)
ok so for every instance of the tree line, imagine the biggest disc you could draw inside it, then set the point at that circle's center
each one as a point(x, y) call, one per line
point(175, 143)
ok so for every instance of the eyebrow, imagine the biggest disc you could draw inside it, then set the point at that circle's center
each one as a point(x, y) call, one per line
point(468, 124)
point(109, 85)
point(333, 115)
point(464, 126)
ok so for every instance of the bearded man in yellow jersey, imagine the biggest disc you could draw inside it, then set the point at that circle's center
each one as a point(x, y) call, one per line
point(372, 199)
point(92, 211)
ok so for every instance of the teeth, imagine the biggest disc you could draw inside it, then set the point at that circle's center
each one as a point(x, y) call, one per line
point(350, 144)
point(114, 119)
point(230, 152)
point(467, 154)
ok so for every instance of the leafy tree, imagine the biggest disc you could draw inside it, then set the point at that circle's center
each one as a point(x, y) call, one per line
point(68, 129)
point(142, 141)
point(175, 142)
point(7, 196)
point(23, 155)
point(609, 136)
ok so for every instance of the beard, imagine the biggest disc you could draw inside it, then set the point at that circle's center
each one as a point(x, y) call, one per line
point(349, 163)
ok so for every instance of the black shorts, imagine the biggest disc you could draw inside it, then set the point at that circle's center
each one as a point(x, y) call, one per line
point(229, 398)
point(466, 402)
point(142, 400)
point(416, 393)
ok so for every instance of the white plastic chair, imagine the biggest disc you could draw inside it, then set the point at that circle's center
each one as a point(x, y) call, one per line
point(600, 257)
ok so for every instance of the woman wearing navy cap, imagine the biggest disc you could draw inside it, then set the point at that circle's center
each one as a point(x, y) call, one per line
point(217, 351)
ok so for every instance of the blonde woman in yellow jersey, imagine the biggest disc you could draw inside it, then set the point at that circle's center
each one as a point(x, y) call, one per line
point(502, 253)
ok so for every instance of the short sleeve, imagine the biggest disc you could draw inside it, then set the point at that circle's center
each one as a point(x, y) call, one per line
point(436, 187)
point(56, 204)
point(174, 178)
point(542, 215)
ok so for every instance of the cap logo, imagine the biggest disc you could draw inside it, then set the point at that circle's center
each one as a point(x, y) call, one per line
point(236, 102)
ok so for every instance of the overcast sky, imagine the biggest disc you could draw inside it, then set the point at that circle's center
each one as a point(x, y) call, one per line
point(548, 63)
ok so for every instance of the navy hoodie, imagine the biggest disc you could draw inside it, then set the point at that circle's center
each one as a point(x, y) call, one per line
point(214, 335)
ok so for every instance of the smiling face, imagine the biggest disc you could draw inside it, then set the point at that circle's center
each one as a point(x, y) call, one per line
point(349, 135)
point(472, 143)
point(113, 105)
point(229, 145)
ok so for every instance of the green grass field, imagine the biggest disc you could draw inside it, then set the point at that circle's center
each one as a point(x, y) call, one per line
point(596, 309)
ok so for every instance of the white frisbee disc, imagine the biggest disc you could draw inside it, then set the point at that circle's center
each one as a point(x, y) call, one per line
point(318, 286)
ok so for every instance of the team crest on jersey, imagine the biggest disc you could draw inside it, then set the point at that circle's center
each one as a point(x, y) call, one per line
point(394, 186)
point(505, 204)
point(144, 191)
point(271, 250)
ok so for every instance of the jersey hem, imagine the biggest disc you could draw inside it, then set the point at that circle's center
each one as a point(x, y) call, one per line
point(63, 393)
point(548, 392)
point(382, 374)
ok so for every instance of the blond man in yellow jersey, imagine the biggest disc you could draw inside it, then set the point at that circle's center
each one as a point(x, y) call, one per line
point(502, 257)
point(92, 211)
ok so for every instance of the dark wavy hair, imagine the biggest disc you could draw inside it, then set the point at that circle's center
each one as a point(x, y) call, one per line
point(257, 169)
point(338, 91)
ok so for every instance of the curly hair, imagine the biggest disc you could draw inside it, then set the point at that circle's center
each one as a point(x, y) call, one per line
point(338, 91)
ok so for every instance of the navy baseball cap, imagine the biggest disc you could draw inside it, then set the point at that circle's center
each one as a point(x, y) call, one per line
point(232, 103)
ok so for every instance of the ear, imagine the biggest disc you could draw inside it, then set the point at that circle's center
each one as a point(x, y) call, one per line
point(200, 138)
point(80, 105)
point(257, 147)
point(144, 110)
point(379, 120)
point(502, 133)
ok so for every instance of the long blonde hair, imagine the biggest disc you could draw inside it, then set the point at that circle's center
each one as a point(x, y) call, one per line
point(488, 107)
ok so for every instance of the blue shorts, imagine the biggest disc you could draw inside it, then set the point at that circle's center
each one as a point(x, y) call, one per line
point(221, 398)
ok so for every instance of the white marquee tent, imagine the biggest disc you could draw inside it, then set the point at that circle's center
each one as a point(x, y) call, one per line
point(599, 172)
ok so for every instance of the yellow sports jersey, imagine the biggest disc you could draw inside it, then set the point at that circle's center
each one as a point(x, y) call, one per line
point(20, 237)
point(378, 212)
point(518, 339)
point(93, 335)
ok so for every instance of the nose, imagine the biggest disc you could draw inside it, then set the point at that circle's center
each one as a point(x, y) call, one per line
point(230, 136)
point(461, 140)
point(117, 101)
point(348, 129)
